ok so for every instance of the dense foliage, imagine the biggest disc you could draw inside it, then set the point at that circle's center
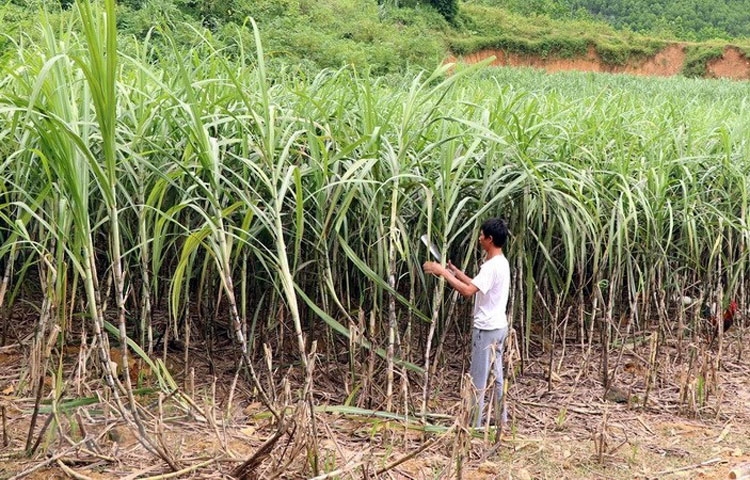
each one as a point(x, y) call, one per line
point(380, 37)
point(447, 8)
point(500, 29)
point(688, 19)
point(296, 199)
point(684, 19)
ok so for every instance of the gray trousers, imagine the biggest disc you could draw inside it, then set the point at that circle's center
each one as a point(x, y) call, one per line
point(486, 354)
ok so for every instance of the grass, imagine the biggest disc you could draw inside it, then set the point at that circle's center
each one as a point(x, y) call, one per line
point(387, 38)
point(489, 27)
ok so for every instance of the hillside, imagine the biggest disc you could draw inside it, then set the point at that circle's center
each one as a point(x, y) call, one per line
point(733, 63)
point(687, 20)
point(391, 38)
point(585, 45)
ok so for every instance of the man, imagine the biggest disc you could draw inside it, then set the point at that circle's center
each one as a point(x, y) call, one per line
point(490, 324)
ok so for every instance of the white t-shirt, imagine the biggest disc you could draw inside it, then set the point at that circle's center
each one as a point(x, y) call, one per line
point(493, 282)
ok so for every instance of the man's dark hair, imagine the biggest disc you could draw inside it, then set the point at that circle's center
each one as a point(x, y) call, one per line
point(496, 228)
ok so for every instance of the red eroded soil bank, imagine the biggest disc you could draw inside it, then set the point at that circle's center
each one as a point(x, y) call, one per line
point(733, 63)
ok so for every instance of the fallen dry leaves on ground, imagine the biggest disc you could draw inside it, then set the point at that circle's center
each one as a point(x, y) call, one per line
point(563, 426)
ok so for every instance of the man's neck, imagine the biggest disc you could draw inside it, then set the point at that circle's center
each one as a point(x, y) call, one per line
point(493, 252)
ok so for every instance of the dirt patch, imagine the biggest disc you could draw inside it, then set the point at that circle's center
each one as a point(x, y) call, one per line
point(589, 63)
point(733, 64)
point(561, 426)
point(668, 62)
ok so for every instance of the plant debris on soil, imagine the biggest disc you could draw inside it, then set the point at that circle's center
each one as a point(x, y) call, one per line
point(563, 424)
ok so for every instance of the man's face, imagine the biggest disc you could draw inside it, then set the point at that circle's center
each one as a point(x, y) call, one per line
point(484, 242)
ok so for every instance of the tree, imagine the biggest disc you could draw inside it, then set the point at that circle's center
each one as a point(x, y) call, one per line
point(447, 8)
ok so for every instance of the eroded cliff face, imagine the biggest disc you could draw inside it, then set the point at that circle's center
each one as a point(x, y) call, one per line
point(733, 64)
point(668, 62)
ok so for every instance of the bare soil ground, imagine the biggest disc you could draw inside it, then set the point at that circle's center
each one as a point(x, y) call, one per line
point(733, 64)
point(562, 425)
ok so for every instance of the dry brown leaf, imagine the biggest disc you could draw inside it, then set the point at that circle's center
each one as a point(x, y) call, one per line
point(724, 433)
point(523, 474)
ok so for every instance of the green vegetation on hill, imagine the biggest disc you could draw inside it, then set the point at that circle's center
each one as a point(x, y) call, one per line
point(490, 27)
point(695, 20)
point(686, 19)
point(378, 36)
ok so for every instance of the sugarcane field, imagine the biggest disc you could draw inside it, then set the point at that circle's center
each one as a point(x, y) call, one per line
point(216, 266)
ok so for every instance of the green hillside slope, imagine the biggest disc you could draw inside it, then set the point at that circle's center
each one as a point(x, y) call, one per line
point(384, 37)
point(692, 20)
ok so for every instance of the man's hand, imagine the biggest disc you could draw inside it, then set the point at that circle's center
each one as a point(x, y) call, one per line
point(457, 280)
point(452, 268)
point(433, 267)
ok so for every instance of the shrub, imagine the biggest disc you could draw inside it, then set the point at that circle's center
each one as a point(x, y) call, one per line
point(447, 8)
point(698, 56)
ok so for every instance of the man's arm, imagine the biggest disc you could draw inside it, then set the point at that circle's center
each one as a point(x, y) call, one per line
point(457, 273)
point(461, 284)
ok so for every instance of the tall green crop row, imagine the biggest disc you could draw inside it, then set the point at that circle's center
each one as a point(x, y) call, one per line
point(201, 196)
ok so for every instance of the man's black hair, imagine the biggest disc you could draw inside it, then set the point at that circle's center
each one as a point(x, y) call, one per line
point(496, 228)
